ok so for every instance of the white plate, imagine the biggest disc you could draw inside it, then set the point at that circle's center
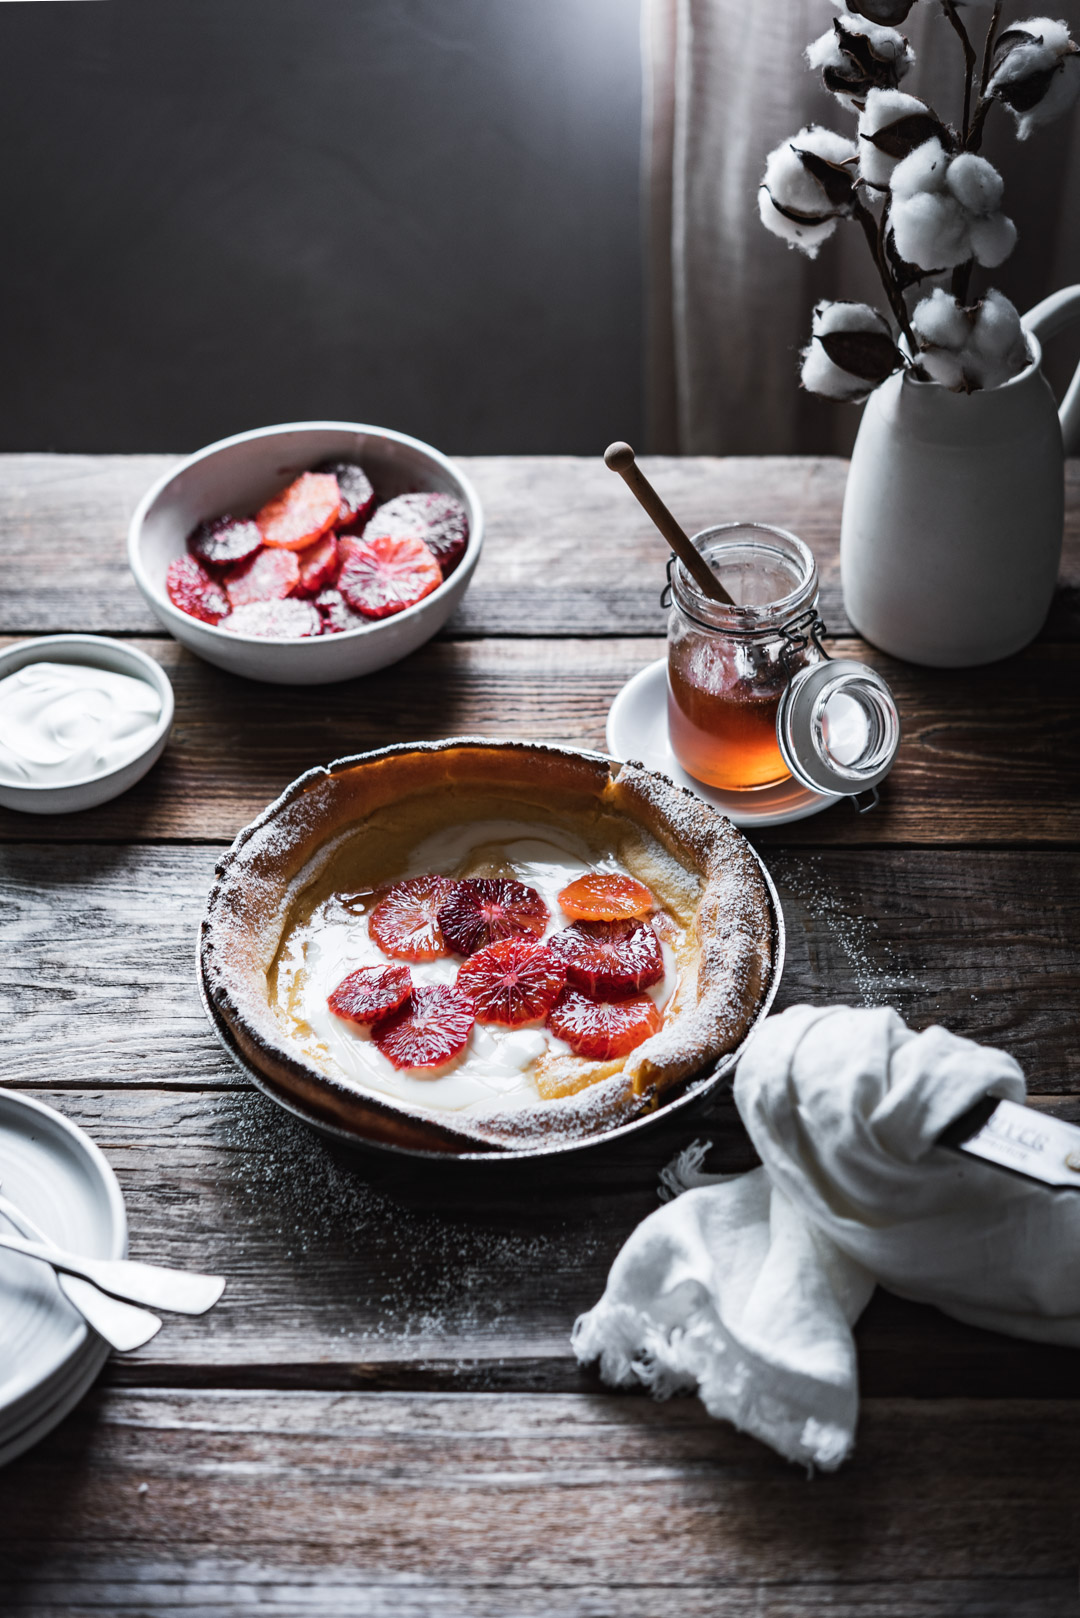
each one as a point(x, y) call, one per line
point(48, 1354)
point(77, 1381)
point(637, 728)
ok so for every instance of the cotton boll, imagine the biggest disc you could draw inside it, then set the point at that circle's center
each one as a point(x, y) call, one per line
point(1060, 98)
point(945, 210)
point(806, 236)
point(892, 125)
point(857, 56)
point(1054, 36)
point(826, 143)
point(940, 320)
point(998, 341)
point(992, 240)
point(1035, 72)
point(942, 366)
point(790, 184)
point(824, 51)
point(930, 231)
point(965, 349)
point(975, 183)
point(998, 331)
point(924, 170)
point(850, 351)
point(886, 107)
point(875, 167)
point(944, 329)
point(818, 374)
point(793, 202)
point(889, 43)
point(844, 314)
point(1028, 47)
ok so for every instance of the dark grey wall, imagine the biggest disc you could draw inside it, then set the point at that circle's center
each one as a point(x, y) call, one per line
point(222, 213)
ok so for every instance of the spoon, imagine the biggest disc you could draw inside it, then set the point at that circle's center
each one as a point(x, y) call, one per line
point(182, 1291)
point(123, 1326)
point(620, 458)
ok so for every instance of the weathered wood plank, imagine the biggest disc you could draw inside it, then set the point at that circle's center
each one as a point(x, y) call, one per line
point(97, 981)
point(984, 758)
point(355, 1270)
point(420, 1501)
point(544, 515)
point(85, 1587)
point(351, 1271)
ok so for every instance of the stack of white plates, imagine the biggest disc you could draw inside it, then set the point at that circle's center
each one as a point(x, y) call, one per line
point(49, 1356)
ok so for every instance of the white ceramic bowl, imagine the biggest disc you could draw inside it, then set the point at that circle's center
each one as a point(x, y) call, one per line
point(240, 474)
point(97, 652)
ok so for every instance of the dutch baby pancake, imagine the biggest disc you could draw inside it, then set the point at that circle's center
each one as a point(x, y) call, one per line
point(475, 945)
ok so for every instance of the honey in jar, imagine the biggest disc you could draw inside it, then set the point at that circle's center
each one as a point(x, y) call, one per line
point(729, 665)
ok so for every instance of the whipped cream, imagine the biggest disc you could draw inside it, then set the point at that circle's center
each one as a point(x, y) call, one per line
point(61, 723)
point(494, 1070)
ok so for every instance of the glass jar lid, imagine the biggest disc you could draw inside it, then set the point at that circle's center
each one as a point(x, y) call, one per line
point(838, 727)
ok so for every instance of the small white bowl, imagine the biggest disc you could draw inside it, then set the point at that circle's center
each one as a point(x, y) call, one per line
point(96, 651)
point(240, 474)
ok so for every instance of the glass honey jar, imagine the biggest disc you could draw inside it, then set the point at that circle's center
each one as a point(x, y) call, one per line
point(753, 697)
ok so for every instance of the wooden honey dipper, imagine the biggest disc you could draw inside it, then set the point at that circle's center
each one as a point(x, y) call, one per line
point(620, 458)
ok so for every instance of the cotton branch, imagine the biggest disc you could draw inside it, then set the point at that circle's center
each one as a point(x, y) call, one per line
point(874, 231)
point(949, 8)
point(988, 48)
point(973, 138)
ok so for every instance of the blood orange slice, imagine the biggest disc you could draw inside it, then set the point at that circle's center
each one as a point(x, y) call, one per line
point(602, 1029)
point(606, 896)
point(438, 519)
point(382, 576)
point(302, 513)
point(318, 567)
point(609, 959)
point(337, 615)
point(429, 1030)
point(513, 981)
point(269, 576)
point(357, 495)
point(275, 620)
point(191, 588)
point(370, 993)
point(225, 541)
point(485, 909)
point(405, 922)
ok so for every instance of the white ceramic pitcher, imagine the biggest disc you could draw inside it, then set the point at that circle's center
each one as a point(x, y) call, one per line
point(954, 509)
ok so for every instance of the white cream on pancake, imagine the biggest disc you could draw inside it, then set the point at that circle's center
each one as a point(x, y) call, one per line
point(496, 1065)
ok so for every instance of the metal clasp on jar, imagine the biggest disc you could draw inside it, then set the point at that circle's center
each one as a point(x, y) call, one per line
point(805, 629)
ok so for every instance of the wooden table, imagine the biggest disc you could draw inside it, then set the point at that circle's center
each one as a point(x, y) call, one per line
point(383, 1415)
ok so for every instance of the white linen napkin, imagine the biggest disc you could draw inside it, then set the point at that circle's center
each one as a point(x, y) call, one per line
point(746, 1288)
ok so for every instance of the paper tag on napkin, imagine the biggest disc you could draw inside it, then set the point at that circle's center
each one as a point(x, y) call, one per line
point(1019, 1138)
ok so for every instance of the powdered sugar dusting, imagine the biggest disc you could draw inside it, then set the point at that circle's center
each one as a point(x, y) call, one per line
point(875, 979)
point(433, 1265)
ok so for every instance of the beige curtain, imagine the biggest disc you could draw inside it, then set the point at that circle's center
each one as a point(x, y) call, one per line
point(728, 303)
